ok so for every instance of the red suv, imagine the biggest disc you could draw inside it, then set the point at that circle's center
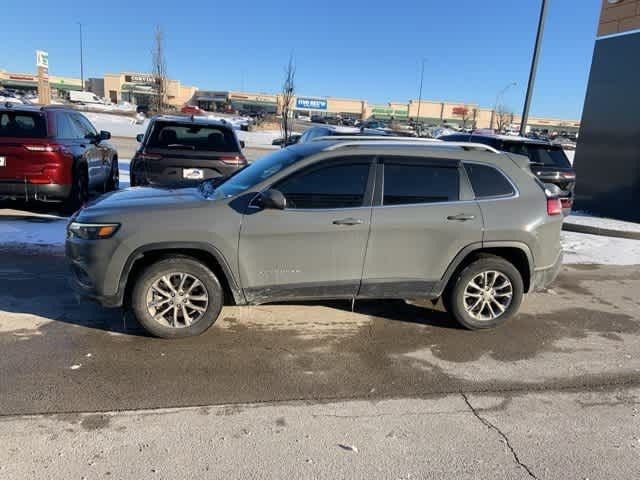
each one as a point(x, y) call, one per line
point(53, 154)
point(193, 110)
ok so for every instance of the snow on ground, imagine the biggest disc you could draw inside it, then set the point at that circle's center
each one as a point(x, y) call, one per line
point(584, 248)
point(581, 218)
point(118, 125)
point(43, 232)
point(260, 139)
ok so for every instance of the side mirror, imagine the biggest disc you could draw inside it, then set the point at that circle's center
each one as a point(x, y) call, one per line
point(242, 144)
point(104, 135)
point(140, 137)
point(273, 199)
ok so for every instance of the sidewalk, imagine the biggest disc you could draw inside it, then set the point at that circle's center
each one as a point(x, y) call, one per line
point(607, 227)
point(575, 435)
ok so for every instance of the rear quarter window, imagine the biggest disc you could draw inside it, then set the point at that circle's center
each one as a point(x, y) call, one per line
point(22, 125)
point(488, 182)
point(547, 155)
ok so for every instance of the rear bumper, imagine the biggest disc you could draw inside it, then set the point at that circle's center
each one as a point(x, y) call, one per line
point(543, 277)
point(31, 191)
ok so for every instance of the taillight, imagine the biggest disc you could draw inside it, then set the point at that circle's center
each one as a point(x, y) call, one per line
point(566, 202)
point(234, 160)
point(150, 156)
point(568, 175)
point(52, 147)
point(554, 206)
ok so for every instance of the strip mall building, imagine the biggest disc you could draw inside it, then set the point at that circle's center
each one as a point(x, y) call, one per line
point(140, 88)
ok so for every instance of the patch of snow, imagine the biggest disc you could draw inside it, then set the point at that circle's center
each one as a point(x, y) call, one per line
point(260, 138)
point(33, 231)
point(585, 248)
point(118, 125)
point(581, 218)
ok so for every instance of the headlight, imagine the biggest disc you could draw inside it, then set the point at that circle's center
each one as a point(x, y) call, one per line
point(92, 231)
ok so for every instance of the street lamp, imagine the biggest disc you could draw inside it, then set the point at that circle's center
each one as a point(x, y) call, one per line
point(498, 96)
point(534, 68)
point(81, 60)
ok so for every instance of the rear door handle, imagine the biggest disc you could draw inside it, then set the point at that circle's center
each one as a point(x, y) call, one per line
point(348, 221)
point(462, 217)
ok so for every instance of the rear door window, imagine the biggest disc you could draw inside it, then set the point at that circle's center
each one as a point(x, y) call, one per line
point(413, 182)
point(83, 126)
point(546, 155)
point(192, 137)
point(488, 182)
point(22, 125)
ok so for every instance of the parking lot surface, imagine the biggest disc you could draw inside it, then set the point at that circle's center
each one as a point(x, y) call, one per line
point(63, 356)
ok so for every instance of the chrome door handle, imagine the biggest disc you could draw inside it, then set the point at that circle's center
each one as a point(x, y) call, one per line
point(348, 221)
point(462, 217)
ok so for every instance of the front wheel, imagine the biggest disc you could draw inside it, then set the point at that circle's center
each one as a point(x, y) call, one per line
point(177, 297)
point(485, 294)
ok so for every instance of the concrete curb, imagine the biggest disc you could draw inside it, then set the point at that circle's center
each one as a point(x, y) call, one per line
point(604, 232)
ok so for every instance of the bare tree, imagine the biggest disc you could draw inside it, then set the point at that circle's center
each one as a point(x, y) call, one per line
point(287, 94)
point(503, 117)
point(159, 69)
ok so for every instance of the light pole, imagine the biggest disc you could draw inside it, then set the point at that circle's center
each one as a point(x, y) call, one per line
point(81, 60)
point(420, 95)
point(498, 96)
point(534, 68)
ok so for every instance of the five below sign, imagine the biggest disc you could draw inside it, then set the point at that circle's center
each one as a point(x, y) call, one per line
point(311, 104)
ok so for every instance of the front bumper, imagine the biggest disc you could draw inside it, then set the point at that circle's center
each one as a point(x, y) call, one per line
point(88, 263)
point(31, 191)
point(543, 277)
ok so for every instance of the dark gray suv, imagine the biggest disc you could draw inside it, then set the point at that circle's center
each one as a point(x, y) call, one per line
point(350, 220)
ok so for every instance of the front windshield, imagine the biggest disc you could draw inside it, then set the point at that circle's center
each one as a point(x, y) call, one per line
point(251, 175)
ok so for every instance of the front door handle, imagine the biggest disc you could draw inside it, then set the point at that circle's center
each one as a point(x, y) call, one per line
point(348, 221)
point(461, 217)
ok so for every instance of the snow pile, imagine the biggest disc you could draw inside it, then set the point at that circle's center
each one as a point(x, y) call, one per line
point(260, 139)
point(585, 248)
point(40, 231)
point(118, 125)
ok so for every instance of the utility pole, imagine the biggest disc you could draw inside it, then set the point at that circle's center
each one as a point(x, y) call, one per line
point(534, 69)
point(420, 96)
point(81, 59)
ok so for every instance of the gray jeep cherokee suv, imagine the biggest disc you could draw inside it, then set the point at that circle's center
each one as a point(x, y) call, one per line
point(326, 219)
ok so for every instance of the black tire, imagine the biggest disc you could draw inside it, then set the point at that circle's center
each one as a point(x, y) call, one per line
point(113, 182)
point(454, 300)
point(168, 266)
point(79, 194)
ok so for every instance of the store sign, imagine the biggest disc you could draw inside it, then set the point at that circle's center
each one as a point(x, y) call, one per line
point(391, 112)
point(139, 78)
point(311, 104)
point(29, 78)
point(42, 59)
point(461, 111)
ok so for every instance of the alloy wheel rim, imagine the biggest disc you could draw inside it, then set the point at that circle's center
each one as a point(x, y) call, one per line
point(488, 295)
point(177, 300)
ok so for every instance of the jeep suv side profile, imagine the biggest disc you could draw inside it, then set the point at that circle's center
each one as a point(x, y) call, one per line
point(53, 154)
point(326, 219)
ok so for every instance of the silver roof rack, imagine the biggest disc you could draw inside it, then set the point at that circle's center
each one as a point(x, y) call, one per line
point(412, 142)
point(376, 138)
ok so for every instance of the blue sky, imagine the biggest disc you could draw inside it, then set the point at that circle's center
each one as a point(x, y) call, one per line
point(355, 49)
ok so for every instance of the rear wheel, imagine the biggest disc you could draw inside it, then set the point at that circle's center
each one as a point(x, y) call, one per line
point(485, 294)
point(79, 189)
point(177, 297)
point(113, 182)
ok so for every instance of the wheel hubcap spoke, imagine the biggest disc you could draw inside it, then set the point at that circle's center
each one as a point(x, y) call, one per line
point(177, 300)
point(488, 295)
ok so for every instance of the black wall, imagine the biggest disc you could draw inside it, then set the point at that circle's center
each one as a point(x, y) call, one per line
point(607, 160)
